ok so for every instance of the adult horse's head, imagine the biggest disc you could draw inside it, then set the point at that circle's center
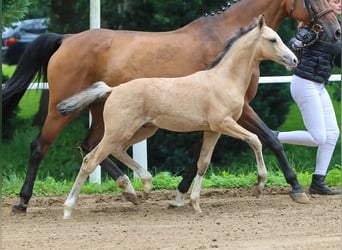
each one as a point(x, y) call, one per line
point(315, 12)
point(272, 47)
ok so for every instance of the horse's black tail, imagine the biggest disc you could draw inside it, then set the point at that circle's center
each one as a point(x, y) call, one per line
point(33, 62)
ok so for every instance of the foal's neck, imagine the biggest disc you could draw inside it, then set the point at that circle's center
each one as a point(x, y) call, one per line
point(236, 66)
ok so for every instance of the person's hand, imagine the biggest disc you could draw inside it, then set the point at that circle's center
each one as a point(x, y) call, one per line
point(296, 44)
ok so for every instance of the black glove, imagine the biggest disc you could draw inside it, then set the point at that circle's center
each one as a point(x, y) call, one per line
point(306, 36)
point(295, 44)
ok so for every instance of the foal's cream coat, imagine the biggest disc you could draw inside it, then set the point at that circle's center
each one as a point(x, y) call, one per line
point(210, 101)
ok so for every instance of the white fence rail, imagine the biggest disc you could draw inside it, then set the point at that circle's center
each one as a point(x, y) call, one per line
point(140, 149)
point(262, 80)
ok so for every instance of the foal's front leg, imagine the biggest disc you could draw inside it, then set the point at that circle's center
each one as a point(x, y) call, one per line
point(232, 128)
point(252, 122)
point(208, 146)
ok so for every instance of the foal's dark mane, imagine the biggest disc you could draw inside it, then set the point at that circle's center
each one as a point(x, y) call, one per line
point(230, 42)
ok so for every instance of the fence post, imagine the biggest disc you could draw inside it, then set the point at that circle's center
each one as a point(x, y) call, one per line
point(95, 23)
point(140, 154)
point(139, 149)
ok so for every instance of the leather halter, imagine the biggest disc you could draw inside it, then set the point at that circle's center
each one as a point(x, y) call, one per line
point(314, 16)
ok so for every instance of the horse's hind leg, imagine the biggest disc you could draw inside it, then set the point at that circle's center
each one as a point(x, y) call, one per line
point(252, 122)
point(53, 125)
point(208, 146)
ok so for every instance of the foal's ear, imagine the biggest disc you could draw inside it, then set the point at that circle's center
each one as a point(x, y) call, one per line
point(261, 21)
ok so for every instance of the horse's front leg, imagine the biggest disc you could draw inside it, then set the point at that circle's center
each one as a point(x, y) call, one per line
point(208, 145)
point(252, 122)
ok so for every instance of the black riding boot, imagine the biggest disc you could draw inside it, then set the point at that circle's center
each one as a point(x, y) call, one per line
point(318, 186)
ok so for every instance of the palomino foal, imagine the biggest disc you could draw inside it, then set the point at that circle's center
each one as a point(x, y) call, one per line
point(210, 101)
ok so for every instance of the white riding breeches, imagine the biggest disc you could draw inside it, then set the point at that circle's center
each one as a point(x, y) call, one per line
point(319, 119)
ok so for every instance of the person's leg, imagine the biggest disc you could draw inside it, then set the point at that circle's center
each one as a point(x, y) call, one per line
point(326, 150)
point(322, 129)
point(306, 95)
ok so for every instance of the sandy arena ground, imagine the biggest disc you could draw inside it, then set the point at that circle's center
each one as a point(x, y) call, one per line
point(230, 219)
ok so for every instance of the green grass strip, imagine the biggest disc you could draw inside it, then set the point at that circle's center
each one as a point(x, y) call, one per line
point(50, 187)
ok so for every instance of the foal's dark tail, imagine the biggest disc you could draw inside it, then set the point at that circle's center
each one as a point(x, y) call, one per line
point(33, 62)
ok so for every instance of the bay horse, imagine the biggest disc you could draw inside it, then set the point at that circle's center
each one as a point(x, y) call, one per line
point(210, 101)
point(71, 63)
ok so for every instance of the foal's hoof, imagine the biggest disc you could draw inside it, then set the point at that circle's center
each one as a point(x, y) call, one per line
point(299, 197)
point(196, 206)
point(173, 204)
point(67, 213)
point(145, 195)
point(19, 209)
point(257, 190)
point(131, 198)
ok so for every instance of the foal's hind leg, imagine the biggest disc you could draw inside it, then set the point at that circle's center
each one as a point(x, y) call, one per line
point(120, 153)
point(208, 146)
point(252, 122)
point(90, 161)
point(143, 133)
point(184, 185)
point(97, 155)
point(94, 136)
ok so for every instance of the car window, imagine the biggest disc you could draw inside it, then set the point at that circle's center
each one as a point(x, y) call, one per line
point(34, 26)
point(33, 30)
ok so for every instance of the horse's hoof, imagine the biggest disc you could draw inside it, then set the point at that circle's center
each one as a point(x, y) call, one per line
point(173, 204)
point(19, 209)
point(299, 197)
point(130, 197)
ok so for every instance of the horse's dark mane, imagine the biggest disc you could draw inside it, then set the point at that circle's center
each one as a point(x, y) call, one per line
point(222, 9)
point(230, 42)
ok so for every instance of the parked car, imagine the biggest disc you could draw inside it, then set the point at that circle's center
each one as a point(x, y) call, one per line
point(16, 38)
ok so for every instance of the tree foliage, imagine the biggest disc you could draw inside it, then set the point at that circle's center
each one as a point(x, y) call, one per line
point(14, 11)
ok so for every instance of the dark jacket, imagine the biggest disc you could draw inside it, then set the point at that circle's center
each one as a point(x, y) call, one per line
point(317, 60)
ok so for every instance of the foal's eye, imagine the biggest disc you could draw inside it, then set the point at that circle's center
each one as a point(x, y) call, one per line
point(273, 40)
